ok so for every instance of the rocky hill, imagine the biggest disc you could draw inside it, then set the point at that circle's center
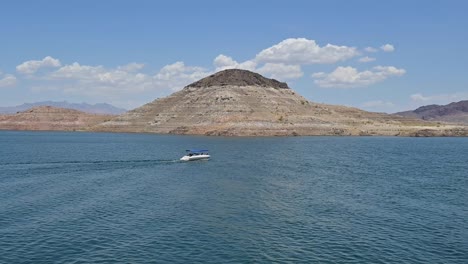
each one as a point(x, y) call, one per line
point(243, 103)
point(51, 118)
point(453, 112)
point(102, 108)
point(237, 77)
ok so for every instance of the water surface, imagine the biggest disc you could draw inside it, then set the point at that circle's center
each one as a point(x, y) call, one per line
point(98, 197)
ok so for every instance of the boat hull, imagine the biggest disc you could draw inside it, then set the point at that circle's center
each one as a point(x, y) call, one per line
point(195, 157)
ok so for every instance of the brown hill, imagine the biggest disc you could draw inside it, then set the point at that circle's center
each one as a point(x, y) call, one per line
point(51, 118)
point(454, 112)
point(242, 103)
point(100, 108)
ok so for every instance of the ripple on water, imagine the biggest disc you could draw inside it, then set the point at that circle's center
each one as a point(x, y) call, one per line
point(282, 200)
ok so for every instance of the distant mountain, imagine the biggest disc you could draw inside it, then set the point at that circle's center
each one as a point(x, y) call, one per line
point(453, 112)
point(102, 108)
point(51, 118)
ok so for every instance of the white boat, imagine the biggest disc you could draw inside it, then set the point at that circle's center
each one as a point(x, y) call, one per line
point(196, 154)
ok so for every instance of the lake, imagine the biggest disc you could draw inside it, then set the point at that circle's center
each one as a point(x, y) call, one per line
point(126, 198)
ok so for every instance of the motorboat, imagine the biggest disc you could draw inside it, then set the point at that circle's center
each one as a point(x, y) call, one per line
point(196, 154)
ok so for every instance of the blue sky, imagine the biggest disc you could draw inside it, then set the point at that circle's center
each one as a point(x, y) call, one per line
point(376, 55)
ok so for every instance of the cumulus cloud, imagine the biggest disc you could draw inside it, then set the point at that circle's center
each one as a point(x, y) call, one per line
point(97, 80)
point(223, 62)
point(387, 48)
point(177, 75)
point(77, 71)
point(371, 49)
point(131, 67)
point(32, 66)
point(281, 71)
point(124, 78)
point(348, 77)
point(439, 98)
point(7, 80)
point(366, 59)
point(300, 51)
point(125, 86)
point(281, 61)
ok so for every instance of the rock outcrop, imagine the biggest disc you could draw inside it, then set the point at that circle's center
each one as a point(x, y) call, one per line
point(236, 77)
point(51, 118)
point(243, 103)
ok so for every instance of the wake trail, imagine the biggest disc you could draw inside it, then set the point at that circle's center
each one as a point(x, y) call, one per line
point(156, 161)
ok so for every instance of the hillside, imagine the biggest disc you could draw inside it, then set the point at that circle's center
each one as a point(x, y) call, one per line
point(454, 112)
point(102, 108)
point(51, 118)
point(242, 103)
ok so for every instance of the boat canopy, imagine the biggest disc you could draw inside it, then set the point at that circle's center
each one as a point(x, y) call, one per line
point(196, 150)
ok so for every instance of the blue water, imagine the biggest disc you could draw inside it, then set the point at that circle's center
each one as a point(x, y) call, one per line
point(125, 198)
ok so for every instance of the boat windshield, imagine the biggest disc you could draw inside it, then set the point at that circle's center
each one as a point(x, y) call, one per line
point(192, 152)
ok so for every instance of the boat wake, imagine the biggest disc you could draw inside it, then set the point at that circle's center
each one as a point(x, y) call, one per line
point(76, 162)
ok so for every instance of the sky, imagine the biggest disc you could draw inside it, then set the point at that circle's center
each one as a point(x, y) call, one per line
point(383, 56)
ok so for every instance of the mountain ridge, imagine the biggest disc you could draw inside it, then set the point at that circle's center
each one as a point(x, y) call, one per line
point(455, 112)
point(98, 108)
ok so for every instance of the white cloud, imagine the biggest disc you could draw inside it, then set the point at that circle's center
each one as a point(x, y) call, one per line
point(177, 75)
point(272, 70)
point(32, 66)
point(7, 80)
point(387, 48)
point(122, 85)
point(389, 70)
point(281, 71)
point(281, 61)
point(439, 98)
point(77, 71)
point(420, 97)
point(223, 62)
point(131, 67)
point(348, 77)
point(371, 49)
point(123, 80)
point(299, 51)
point(96, 80)
point(366, 59)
